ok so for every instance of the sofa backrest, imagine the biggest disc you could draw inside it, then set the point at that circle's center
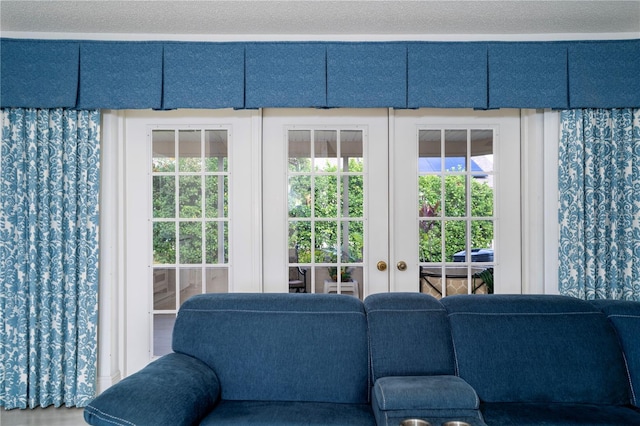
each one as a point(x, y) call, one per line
point(625, 316)
point(279, 347)
point(409, 335)
point(525, 348)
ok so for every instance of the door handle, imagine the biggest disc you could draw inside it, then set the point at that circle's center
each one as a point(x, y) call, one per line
point(402, 266)
point(382, 265)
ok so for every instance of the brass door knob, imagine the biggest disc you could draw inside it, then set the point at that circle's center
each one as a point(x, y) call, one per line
point(382, 265)
point(402, 266)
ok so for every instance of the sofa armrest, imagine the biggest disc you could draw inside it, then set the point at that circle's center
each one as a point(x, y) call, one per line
point(425, 392)
point(174, 390)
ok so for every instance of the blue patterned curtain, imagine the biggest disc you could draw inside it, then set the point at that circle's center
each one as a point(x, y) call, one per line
point(599, 214)
point(49, 182)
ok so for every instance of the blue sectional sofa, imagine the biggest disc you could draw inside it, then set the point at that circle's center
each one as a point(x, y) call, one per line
point(313, 359)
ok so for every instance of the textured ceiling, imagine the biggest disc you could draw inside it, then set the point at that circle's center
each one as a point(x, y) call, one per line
point(319, 17)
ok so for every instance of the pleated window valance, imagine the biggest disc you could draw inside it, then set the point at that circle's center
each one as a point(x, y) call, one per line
point(169, 75)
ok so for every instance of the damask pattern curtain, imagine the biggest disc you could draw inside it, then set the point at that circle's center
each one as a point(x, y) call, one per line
point(599, 212)
point(49, 181)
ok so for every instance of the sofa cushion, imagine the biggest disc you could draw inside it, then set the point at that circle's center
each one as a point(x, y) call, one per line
point(282, 413)
point(625, 316)
point(522, 414)
point(424, 392)
point(409, 335)
point(517, 348)
point(279, 347)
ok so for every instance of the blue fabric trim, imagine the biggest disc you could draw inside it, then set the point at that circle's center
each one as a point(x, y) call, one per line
point(203, 75)
point(42, 74)
point(367, 75)
point(528, 75)
point(447, 75)
point(285, 75)
point(604, 74)
point(118, 75)
point(133, 74)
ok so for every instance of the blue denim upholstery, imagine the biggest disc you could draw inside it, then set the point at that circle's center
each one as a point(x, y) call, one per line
point(537, 349)
point(541, 360)
point(314, 359)
point(436, 399)
point(412, 361)
point(625, 316)
point(282, 413)
point(173, 390)
point(424, 392)
point(549, 414)
point(279, 347)
point(409, 335)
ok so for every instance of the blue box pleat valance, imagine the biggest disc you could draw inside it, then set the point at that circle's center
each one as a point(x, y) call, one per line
point(169, 75)
point(447, 75)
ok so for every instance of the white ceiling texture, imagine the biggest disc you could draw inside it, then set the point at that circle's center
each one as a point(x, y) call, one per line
point(320, 19)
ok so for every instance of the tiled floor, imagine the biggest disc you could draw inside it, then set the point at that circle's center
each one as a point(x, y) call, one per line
point(49, 416)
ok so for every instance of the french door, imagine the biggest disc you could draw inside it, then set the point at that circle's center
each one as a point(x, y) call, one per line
point(367, 201)
point(455, 203)
point(192, 217)
point(325, 200)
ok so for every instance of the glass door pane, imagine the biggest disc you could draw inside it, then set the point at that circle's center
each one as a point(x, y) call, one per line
point(190, 222)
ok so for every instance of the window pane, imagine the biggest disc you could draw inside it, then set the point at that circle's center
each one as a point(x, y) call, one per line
point(326, 242)
point(164, 151)
point(482, 238)
point(481, 197)
point(164, 242)
point(326, 150)
point(351, 150)
point(162, 331)
point(190, 153)
point(429, 151)
point(164, 196)
point(215, 150)
point(299, 150)
point(482, 149)
point(455, 237)
point(430, 240)
point(217, 280)
point(352, 233)
point(352, 201)
point(300, 242)
point(217, 250)
point(190, 196)
point(482, 280)
point(325, 196)
point(455, 196)
point(190, 283)
point(299, 196)
point(455, 148)
point(190, 242)
point(164, 289)
point(216, 196)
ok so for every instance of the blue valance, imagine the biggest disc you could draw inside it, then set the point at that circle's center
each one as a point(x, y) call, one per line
point(168, 75)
